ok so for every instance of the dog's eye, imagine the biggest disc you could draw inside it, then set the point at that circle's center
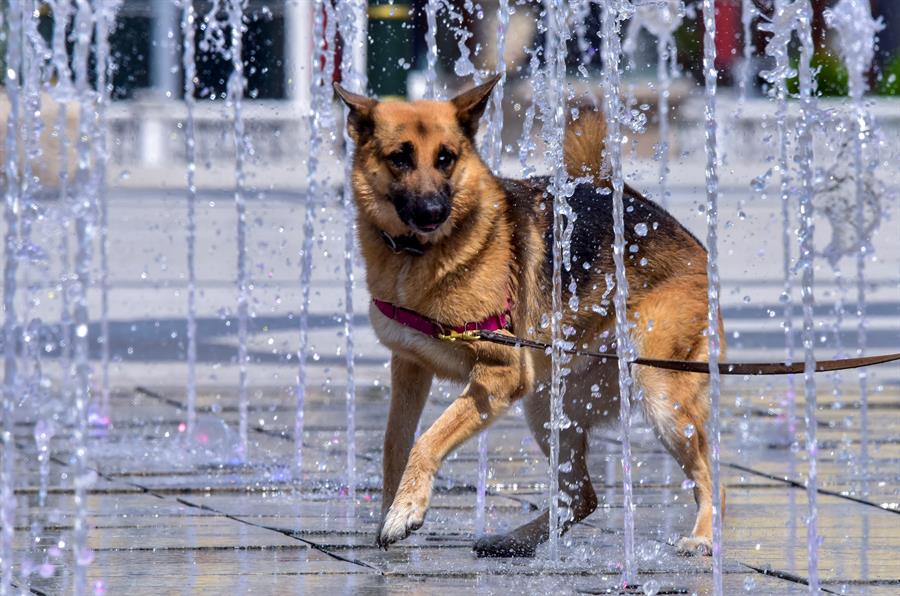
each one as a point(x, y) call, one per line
point(401, 160)
point(445, 158)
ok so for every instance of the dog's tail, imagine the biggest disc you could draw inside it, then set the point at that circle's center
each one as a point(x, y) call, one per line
point(583, 144)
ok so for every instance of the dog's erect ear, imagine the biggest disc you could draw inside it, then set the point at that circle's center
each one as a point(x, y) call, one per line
point(359, 122)
point(470, 105)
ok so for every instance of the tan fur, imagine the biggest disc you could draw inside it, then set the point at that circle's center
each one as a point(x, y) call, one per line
point(492, 247)
point(583, 147)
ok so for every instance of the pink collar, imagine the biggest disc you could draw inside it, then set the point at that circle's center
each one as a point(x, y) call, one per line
point(423, 324)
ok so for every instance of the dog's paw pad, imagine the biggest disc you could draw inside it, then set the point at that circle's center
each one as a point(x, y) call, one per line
point(691, 546)
point(502, 546)
point(400, 521)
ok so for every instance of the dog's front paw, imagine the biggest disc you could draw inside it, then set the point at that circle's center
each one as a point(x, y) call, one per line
point(402, 519)
point(503, 545)
point(691, 546)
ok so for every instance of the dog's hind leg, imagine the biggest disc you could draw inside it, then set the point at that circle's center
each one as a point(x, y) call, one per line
point(574, 483)
point(670, 326)
point(410, 384)
point(681, 429)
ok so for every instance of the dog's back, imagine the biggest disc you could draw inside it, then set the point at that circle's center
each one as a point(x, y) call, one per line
point(658, 247)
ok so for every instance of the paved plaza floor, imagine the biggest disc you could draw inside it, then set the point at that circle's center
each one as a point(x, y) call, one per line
point(166, 521)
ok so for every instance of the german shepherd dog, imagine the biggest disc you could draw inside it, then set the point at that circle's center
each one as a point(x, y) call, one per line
point(447, 241)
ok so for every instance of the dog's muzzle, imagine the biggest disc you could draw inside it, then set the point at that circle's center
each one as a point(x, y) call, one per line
point(429, 213)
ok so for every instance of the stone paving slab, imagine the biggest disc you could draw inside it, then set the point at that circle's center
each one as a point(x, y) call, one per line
point(286, 570)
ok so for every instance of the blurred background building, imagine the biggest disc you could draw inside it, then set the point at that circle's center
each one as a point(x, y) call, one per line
point(147, 81)
point(279, 43)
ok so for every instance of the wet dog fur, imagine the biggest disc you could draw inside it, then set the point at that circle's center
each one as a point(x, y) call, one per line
point(417, 174)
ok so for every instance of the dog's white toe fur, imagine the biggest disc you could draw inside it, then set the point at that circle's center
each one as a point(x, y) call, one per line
point(400, 521)
point(694, 545)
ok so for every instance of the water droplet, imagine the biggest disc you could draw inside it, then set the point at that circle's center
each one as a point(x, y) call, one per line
point(85, 556)
point(650, 587)
point(640, 229)
point(689, 430)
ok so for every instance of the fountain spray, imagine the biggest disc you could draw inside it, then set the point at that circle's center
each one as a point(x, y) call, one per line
point(352, 27)
point(104, 16)
point(612, 51)
point(236, 85)
point(494, 152)
point(553, 108)
point(189, 65)
point(319, 104)
point(712, 274)
point(782, 26)
point(431, 9)
point(804, 159)
point(661, 20)
point(10, 331)
point(85, 231)
point(857, 30)
point(748, 13)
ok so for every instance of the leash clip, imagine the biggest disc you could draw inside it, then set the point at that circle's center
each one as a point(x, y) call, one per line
point(454, 335)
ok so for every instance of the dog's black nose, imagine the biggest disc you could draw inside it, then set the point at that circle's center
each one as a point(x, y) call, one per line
point(429, 213)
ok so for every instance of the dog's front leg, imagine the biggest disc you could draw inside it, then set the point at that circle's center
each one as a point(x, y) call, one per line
point(491, 389)
point(410, 384)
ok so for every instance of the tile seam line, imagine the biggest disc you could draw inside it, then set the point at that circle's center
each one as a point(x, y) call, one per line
point(821, 491)
point(286, 533)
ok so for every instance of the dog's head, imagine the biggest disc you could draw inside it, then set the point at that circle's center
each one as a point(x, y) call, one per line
point(416, 166)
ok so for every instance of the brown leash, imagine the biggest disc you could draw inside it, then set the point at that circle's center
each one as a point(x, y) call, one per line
point(725, 368)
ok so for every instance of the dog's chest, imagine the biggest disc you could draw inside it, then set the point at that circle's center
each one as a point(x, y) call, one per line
point(445, 359)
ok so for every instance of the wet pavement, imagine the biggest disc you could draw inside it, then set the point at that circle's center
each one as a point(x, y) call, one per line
point(164, 520)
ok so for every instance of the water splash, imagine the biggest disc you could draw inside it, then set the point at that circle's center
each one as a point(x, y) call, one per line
point(610, 25)
point(481, 484)
point(106, 11)
point(15, 12)
point(494, 154)
point(580, 11)
point(804, 159)
point(495, 124)
point(748, 13)
point(431, 53)
point(236, 85)
point(712, 273)
point(782, 26)
point(536, 76)
point(352, 28)
point(63, 92)
point(33, 255)
point(85, 231)
point(553, 108)
point(463, 66)
point(190, 146)
point(320, 97)
point(661, 20)
point(857, 30)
